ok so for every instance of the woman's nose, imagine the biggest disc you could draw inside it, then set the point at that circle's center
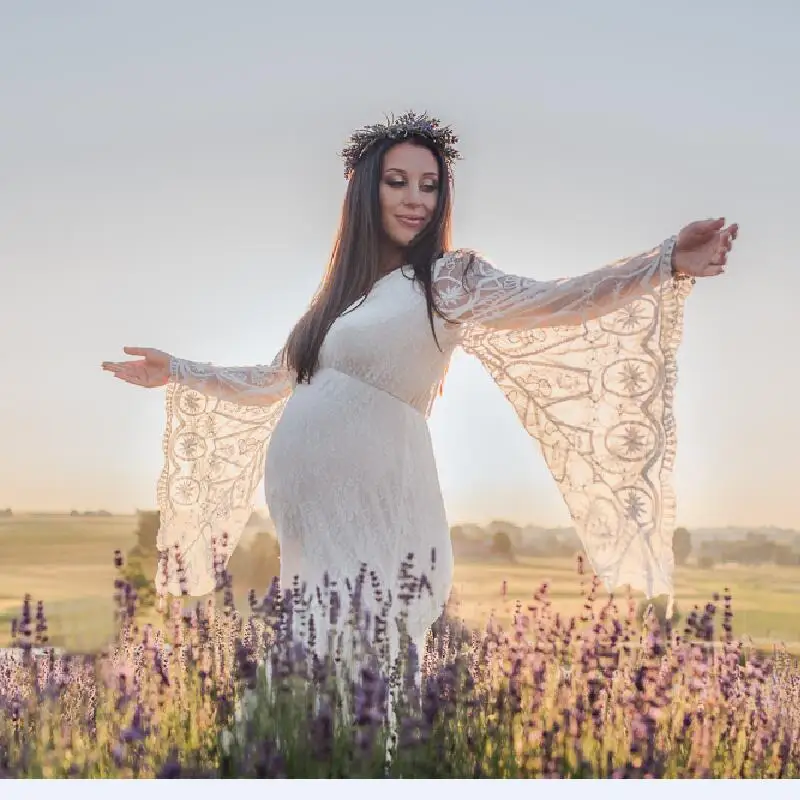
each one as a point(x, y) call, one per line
point(413, 196)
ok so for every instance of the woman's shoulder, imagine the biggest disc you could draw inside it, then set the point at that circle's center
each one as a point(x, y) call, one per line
point(459, 262)
point(459, 254)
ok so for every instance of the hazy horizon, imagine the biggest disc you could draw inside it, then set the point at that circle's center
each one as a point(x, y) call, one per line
point(171, 179)
point(96, 513)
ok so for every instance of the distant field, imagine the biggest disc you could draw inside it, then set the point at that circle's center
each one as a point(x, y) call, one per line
point(68, 563)
point(765, 605)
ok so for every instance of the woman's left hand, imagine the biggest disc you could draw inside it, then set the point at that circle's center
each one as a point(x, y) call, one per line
point(702, 248)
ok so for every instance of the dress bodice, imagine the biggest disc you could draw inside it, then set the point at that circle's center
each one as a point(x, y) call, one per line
point(385, 340)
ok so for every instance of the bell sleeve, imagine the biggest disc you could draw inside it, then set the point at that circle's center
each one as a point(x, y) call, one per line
point(219, 421)
point(589, 365)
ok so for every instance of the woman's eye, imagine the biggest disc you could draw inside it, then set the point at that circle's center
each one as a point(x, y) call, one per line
point(399, 184)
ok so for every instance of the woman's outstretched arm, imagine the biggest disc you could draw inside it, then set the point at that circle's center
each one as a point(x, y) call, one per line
point(258, 385)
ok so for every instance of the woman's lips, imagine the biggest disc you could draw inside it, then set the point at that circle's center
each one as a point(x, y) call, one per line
point(411, 222)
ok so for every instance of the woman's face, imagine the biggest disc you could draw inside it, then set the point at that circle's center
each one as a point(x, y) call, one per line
point(408, 192)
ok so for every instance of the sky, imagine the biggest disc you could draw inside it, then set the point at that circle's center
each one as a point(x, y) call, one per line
point(169, 178)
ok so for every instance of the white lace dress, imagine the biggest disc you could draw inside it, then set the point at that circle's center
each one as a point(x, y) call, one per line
point(588, 363)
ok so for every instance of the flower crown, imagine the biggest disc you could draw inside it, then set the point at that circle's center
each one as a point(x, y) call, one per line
point(400, 128)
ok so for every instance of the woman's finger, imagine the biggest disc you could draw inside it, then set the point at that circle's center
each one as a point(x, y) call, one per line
point(720, 259)
point(126, 372)
point(136, 351)
point(708, 226)
point(730, 232)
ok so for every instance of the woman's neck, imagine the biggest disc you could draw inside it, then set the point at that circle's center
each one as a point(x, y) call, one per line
point(392, 258)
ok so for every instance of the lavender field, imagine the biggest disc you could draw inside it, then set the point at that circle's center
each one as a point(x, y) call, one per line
point(548, 686)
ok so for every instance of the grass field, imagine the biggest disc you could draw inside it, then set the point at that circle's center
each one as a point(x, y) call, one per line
point(67, 562)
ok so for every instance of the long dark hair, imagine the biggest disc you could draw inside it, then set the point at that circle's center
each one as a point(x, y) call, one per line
point(355, 263)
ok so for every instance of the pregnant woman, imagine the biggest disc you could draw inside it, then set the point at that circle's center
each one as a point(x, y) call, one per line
point(337, 422)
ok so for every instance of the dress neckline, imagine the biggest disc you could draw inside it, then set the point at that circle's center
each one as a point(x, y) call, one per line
point(393, 272)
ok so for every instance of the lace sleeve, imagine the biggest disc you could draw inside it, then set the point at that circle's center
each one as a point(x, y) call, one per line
point(219, 421)
point(246, 386)
point(471, 289)
point(589, 365)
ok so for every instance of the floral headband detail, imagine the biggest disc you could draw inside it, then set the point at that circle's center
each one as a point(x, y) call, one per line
point(405, 127)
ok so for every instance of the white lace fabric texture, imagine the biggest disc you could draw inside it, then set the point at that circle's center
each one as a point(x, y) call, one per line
point(588, 363)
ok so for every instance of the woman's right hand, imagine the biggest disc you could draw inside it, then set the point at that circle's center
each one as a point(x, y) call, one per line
point(151, 370)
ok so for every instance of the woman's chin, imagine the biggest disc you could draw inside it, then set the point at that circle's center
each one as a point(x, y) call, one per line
point(407, 239)
point(401, 240)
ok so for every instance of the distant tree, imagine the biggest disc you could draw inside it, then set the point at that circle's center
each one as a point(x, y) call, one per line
point(754, 549)
point(552, 546)
point(706, 562)
point(141, 562)
point(147, 524)
point(756, 538)
point(501, 525)
point(514, 532)
point(785, 556)
point(681, 545)
point(255, 566)
point(501, 544)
